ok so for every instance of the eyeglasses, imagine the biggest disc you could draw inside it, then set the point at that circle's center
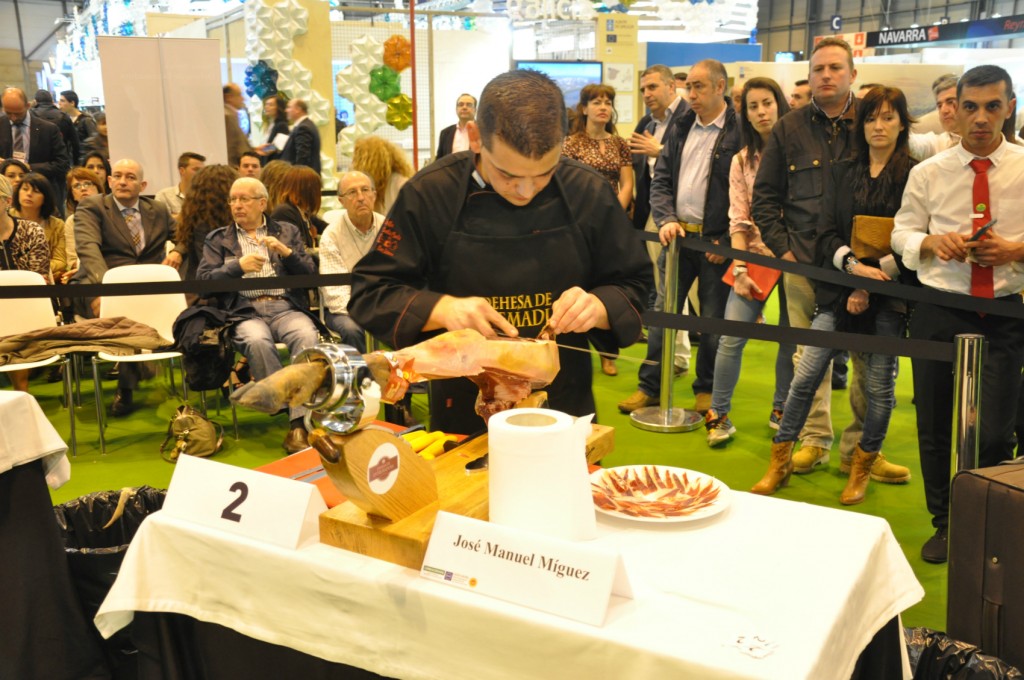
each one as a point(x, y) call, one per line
point(83, 185)
point(358, 191)
point(244, 200)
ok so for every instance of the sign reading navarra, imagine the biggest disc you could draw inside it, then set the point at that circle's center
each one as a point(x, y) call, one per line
point(526, 559)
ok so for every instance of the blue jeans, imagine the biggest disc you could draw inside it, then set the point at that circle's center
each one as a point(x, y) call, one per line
point(275, 321)
point(351, 333)
point(730, 355)
point(712, 294)
point(879, 381)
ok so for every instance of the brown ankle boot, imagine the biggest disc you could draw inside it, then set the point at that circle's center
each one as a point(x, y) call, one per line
point(779, 470)
point(860, 475)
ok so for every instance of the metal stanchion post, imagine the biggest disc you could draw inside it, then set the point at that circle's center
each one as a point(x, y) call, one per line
point(967, 400)
point(664, 418)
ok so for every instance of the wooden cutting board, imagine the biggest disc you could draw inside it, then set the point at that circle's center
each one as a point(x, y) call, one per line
point(405, 542)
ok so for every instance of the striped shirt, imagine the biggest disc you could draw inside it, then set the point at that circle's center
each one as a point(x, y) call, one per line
point(250, 245)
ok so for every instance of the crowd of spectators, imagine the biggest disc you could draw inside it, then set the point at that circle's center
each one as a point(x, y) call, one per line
point(801, 178)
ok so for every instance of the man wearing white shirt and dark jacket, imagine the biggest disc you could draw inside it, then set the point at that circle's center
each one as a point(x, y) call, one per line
point(949, 198)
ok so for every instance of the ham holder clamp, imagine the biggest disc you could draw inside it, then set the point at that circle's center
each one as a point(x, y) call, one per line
point(393, 493)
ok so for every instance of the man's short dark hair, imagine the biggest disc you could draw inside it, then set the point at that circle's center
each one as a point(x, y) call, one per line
point(43, 97)
point(249, 154)
point(801, 83)
point(681, 75)
point(832, 41)
point(526, 110)
point(301, 103)
point(184, 158)
point(71, 96)
point(660, 70)
point(466, 94)
point(988, 74)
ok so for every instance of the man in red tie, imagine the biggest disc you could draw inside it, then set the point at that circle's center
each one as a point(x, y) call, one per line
point(948, 199)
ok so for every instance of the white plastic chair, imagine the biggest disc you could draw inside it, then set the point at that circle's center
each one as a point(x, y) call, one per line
point(158, 311)
point(22, 315)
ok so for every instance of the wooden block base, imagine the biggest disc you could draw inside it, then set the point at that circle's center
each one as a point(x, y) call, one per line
point(405, 542)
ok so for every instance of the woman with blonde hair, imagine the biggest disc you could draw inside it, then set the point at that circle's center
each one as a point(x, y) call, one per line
point(386, 165)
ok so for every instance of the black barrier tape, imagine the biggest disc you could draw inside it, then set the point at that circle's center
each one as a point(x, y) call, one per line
point(870, 344)
point(89, 290)
point(1008, 307)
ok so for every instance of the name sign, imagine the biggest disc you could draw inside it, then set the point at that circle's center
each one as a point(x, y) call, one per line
point(263, 507)
point(573, 580)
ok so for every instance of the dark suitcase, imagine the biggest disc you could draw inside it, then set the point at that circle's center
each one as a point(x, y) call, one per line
point(986, 561)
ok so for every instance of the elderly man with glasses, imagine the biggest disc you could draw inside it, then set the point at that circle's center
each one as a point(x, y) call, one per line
point(343, 243)
point(255, 246)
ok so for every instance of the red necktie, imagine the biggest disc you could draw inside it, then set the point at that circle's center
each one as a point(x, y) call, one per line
point(981, 277)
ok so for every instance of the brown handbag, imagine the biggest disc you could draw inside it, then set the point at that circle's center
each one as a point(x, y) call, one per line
point(872, 236)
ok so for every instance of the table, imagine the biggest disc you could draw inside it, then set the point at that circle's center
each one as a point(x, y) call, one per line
point(45, 634)
point(697, 587)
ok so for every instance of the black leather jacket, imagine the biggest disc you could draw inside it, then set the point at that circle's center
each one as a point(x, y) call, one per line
point(794, 174)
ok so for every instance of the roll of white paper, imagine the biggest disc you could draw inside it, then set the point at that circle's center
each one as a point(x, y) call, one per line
point(538, 473)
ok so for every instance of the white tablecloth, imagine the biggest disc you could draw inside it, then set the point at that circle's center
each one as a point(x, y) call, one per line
point(817, 582)
point(26, 435)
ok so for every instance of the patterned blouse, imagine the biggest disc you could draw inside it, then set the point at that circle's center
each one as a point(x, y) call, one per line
point(741, 197)
point(26, 249)
point(609, 163)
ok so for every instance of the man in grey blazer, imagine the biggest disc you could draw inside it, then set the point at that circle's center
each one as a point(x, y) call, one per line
point(118, 229)
point(303, 145)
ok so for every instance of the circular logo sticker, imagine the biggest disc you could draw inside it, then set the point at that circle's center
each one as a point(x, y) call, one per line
point(980, 207)
point(382, 472)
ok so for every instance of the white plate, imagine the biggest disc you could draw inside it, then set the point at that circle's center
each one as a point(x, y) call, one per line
point(650, 502)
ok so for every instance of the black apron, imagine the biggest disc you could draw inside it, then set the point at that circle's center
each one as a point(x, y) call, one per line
point(522, 273)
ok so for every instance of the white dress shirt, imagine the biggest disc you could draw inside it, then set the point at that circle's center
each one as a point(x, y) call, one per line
point(924, 145)
point(341, 247)
point(939, 200)
point(659, 131)
point(460, 142)
point(695, 167)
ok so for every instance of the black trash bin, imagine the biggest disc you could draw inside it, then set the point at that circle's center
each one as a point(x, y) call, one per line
point(936, 656)
point(95, 554)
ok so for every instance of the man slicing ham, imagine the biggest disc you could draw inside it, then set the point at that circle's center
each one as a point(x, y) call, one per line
point(506, 238)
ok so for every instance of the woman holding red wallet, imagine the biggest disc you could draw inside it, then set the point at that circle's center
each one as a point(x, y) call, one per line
point(763, 104)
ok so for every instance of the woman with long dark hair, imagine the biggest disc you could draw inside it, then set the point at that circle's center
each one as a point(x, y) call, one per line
point(22, 246)
point(204, 209)
point(297, 200)
point(97, 164)
point(762, 104)
point(865, 192)
point(275, 122)
point(34, 201)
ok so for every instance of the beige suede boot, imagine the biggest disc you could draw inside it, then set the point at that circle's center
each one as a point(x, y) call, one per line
point(860, 475)
point(779, 470)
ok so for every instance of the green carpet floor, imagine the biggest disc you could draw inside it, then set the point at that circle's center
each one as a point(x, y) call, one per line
point(133, 459)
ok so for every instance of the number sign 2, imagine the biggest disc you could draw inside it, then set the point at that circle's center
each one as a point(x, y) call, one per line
point(248, 503)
